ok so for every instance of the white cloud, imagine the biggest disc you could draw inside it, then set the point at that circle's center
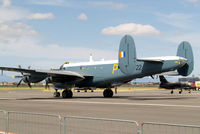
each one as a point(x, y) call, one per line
point(178, 37)
point(13, 13)
point(40, 16)
point(20, 40)
point(193, 1)
point(48, 2)
point(179, 20)
point(109, 4)
point(82, 16)
point(131, 28)
point(10, 29)
point(6, 3)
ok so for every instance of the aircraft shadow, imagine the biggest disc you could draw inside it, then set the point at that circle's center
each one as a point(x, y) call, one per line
point(143, 98)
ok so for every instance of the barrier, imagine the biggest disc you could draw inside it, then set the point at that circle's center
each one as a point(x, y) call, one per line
point(33, 123)
point(3, 121)
point(167, 128)
point(38, 123)
point(89, 125)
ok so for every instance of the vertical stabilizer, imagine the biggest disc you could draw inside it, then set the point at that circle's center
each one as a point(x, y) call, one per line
point(163, 80)
point(127, 55)
point(185, 51)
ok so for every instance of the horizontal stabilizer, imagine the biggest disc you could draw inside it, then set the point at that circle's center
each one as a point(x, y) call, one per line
point(150, 60)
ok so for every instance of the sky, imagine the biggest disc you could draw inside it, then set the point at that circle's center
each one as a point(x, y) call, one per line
point(47, 33)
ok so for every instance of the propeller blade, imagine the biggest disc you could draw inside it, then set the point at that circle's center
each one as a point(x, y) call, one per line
point(46, 85)
point(20, 68)
point(19, 82)
point(29, 84)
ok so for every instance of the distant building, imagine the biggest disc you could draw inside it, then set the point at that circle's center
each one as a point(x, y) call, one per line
point(189, 79)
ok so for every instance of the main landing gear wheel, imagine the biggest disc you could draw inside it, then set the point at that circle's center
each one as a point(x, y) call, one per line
point(56, 94)
point(172, 92)
point(108, 93)
point(67, 94)
point(180, 92)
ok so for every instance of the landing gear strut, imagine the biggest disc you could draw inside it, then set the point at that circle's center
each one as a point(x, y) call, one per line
point(56, 94)
point(67, 93)
point(108, 93)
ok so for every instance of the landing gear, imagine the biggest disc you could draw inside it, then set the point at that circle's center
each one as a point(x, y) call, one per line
point(108, 93)
point(56, 94)
point(67, 93)
point(172, 92)
point(180, 91)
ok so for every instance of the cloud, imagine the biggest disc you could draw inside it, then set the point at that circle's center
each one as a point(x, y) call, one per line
point(178, 37)
point(40, 16)
point(6, 3)
point(20, 40)
point(10, 29)
point(193, 1)
point(48, 2)
point(13, 13)
point(179, 20)
point(131, 28)
point(82, 16)
point(109, 4)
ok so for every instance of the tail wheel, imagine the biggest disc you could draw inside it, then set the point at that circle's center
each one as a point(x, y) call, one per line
point(108, 93)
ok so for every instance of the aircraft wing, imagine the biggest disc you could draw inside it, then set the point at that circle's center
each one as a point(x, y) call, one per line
point(13, 69)
point(59, 73)
point(56, 73)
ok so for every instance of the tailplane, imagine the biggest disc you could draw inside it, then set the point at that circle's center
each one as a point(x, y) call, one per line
point(127, 55)
point(185, 51)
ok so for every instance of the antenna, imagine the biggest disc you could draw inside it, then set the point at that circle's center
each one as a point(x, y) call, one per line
point(91, 59)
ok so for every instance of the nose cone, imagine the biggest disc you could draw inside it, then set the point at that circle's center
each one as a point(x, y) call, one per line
point(182, 61)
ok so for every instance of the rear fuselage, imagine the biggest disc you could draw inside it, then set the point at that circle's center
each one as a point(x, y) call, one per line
point(104, 74)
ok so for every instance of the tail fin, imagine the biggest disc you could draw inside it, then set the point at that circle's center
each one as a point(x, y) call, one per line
point(163, 80)
point(127, 55)
point(185, 51)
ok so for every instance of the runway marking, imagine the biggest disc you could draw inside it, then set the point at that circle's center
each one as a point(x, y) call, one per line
point(119, 103)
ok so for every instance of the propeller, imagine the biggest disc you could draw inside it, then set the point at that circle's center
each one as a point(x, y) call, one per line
point(47, 81)
point(24, 77)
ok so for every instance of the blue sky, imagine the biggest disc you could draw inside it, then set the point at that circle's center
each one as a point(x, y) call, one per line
point(47, 33)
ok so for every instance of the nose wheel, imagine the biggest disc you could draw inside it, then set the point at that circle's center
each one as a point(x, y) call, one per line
point(108, 93)
point(56, 94)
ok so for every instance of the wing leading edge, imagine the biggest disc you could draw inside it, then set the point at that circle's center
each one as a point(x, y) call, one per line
point(48, 73)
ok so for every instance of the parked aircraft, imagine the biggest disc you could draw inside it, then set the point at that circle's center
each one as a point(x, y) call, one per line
point(108, 74)
point(176, 85)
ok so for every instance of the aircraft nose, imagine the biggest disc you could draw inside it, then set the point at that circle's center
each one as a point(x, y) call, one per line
point(182, 61)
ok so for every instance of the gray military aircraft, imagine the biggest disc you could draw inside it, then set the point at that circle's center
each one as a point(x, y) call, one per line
point(108, 74)
point(176, 85)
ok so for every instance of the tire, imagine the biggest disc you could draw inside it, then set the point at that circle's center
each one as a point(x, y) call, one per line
point(67, 94)
point(56, 94)
point(108, 93)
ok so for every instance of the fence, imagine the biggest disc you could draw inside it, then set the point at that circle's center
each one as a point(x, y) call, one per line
point(166, 128)
point(33, 123)
point(2, 121)
point(37, 123)
point(88, 125)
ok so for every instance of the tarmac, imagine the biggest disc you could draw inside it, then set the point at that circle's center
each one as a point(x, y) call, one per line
point(140, 105)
